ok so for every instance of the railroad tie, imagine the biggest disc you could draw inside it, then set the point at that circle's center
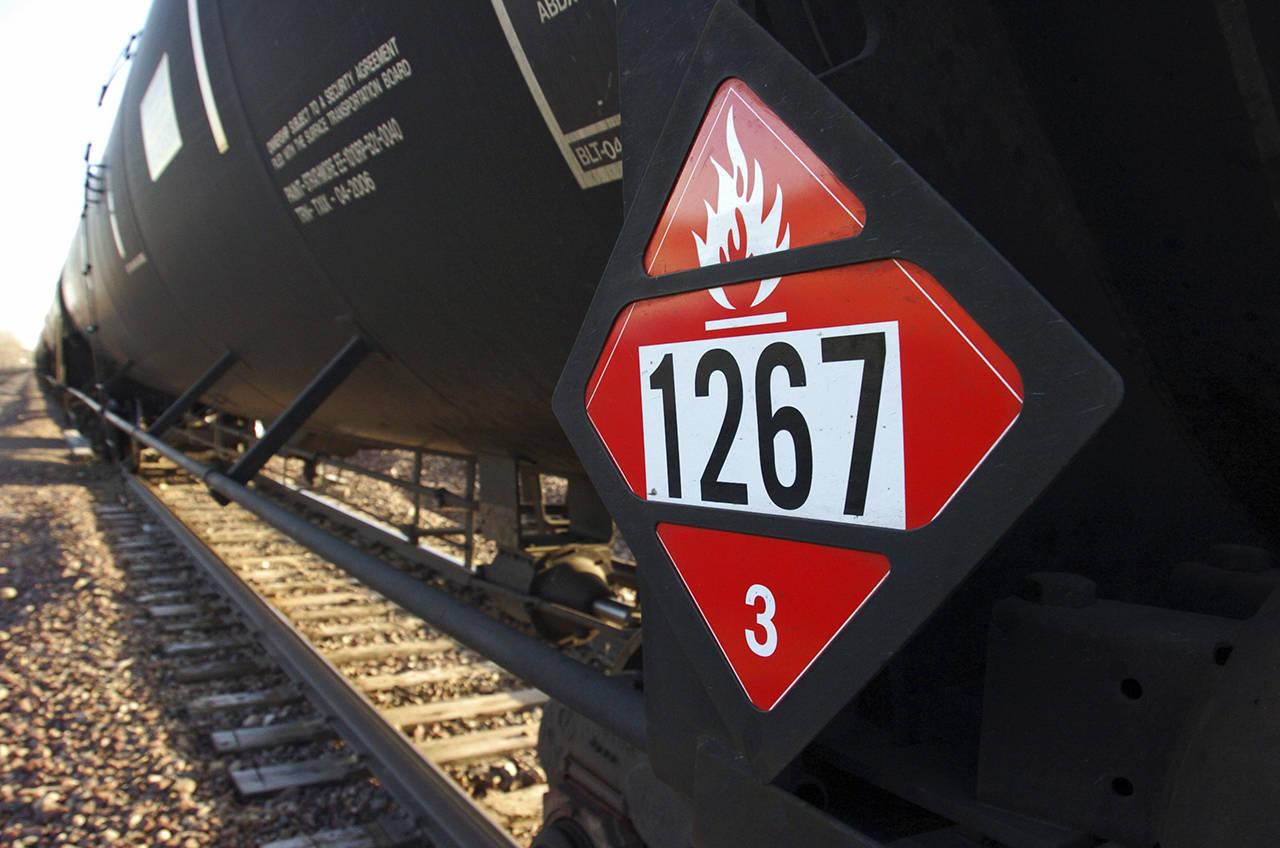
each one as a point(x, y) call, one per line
point(259, 561)
point(321, 599)
point(241, 739)
point(200, 622)
point(157, 569)
point(293, 585)
point(184, 610)
point(481, 743)
point(218, 669)
point(81, 450)
point(265, 576)
point(348, 611)
point(261, 780)
point(164, 581)
point(236, 535)
point(176, 596)
point(371, 835)
point(417, 677)
point(272, 697)
point(205, 646)
point(387, 650)
point(146, 543)
point(475, 705)
point(320, 631)
point(112, 510)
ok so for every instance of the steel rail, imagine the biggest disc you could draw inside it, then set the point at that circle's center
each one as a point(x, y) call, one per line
point(609, 702)
point(447, 815)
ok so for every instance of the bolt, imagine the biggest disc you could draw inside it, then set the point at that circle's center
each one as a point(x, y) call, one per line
point(1059, 589)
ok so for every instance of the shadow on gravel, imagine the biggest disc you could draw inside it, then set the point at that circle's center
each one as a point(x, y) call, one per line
point(29, 443)
point(45, 472)
point(38, 459)
point(14, 398)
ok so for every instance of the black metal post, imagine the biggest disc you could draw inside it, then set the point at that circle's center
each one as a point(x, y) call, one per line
point(469, 522)
point(415, 533)
point(297, 413)
point(217, 434)
point(109, 385)
point(188, 399)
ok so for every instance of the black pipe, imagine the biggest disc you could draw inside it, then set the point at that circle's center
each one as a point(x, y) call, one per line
point(608, 702)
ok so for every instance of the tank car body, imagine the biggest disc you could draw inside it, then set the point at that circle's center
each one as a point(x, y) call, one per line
point(444, 183)
point(281, 178)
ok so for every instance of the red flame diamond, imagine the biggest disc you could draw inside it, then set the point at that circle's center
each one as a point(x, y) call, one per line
point(717, 211)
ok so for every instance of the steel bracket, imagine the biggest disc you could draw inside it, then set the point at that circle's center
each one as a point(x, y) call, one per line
point(188, 399)
point(297, 413)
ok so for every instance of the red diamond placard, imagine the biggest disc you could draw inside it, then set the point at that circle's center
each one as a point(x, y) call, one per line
point(772, 605)
point(943, 397)
point(750, 186)
point(861, 394)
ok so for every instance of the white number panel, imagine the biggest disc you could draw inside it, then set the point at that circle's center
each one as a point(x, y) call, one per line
point(806, 423)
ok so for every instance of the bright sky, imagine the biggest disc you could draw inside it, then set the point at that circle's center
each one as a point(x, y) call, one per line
point(55, 56)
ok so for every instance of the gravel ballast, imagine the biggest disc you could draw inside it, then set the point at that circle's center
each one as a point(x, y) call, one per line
point(95, 748)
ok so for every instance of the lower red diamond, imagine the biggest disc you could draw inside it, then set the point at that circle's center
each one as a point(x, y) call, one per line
point(772, 605)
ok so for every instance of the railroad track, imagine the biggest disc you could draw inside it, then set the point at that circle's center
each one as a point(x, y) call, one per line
point(457, 725)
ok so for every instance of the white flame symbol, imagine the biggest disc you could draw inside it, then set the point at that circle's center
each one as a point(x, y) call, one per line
point(737, 227)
